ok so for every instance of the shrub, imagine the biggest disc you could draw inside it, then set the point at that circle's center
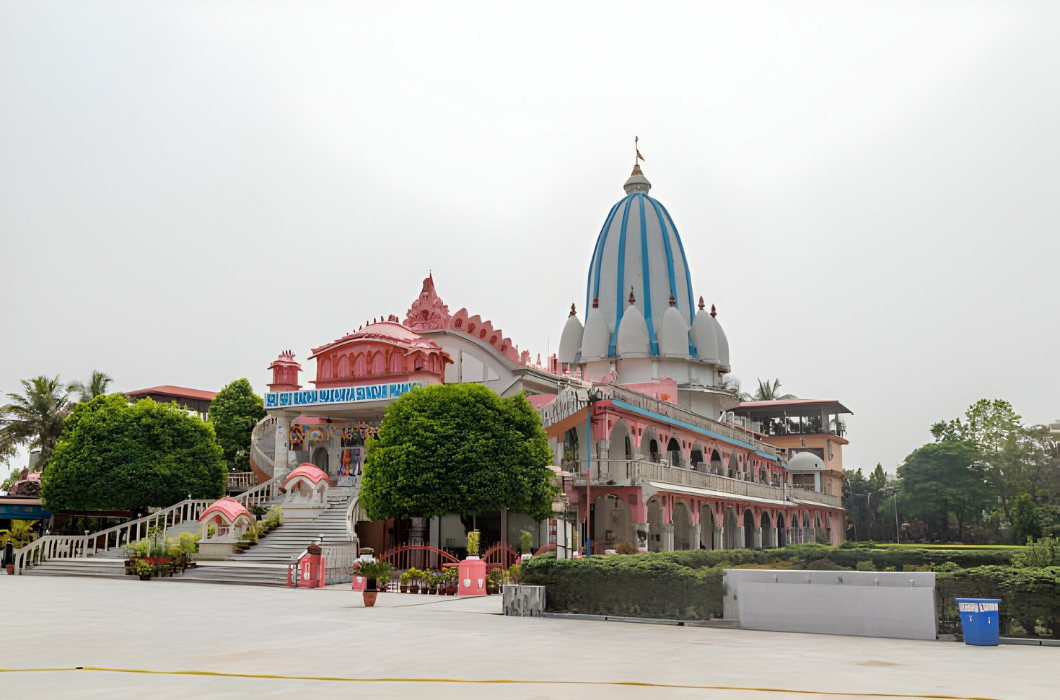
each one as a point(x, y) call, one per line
point(275, 516)
point(526, 542)
point(1030, 604)
point(947, 566)
point(138, 549)
point(513, 575)
point(823, 565)
point(188, 543)
point(866, 565)
point(1036, 554)
point(625, 548)
point(495, 576)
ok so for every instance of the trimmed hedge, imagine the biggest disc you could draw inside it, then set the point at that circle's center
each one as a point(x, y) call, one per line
point(687, 585)
point(1030, 598)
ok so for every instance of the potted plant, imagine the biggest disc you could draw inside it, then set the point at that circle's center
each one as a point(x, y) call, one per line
point(414, 580)
point(143, 570)
point(434, 581)
point(453, 578)
point(493, 581)
point(526, 544)
point(403, 582)
point(373, 572)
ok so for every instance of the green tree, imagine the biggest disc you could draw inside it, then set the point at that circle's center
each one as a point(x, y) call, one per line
point(113, 456)
point(1025, 522)
point(940, 479)
point(999, 435)
point(234, 412)
point(97, 386)
point(769, 391)
point(457, 448)
point(35, 418)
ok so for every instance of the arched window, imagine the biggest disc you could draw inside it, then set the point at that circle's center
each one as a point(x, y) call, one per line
point(696, 458)
point(325, 368)
point(344, 367)
point(673, 450)
point(653, 450)
point(629, 448)
point(359, 366)
point(378, 363)
point(395, 362)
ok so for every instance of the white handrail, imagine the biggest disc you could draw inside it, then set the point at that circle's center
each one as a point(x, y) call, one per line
point(80, 546)
point(265, 491)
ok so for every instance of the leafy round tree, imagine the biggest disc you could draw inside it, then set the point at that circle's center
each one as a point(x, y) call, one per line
point(113, 456)
point(234, 412)
point(457, 448)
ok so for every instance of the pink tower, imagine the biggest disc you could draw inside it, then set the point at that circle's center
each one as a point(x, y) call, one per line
point(285, 373)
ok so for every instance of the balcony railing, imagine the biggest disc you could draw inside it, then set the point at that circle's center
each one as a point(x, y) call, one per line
point(627, 472)
point(668, 410)
point(241, 481)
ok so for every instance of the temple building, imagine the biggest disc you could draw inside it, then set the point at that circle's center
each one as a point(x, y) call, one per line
point(652, 448)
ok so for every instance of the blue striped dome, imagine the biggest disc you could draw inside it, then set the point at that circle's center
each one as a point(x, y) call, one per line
point(639, 251)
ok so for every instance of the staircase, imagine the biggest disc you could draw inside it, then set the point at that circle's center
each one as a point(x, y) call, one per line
point(262, 565)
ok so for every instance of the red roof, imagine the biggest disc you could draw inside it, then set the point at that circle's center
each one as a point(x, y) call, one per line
point(309, 471)
point(227, 506)
point(170, 390)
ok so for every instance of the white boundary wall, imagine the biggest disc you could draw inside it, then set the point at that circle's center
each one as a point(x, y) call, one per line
point(857, 603)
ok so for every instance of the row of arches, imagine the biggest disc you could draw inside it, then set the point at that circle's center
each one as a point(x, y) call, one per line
point(734, 528)
point(378, 363)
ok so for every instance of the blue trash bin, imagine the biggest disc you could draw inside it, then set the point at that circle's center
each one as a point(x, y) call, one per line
point(979, 620)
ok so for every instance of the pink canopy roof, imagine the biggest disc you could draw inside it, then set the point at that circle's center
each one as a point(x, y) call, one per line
point(309, 471)
point(229, 507)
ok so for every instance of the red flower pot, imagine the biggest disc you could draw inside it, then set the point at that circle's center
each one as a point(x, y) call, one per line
point(369, 598)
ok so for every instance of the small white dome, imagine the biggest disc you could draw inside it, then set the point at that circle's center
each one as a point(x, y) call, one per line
point(723, 343)
point(705, 338)
point(597, 336)
point(571, 340)
point(633, 335)
point(805, 461)
point(673, 338)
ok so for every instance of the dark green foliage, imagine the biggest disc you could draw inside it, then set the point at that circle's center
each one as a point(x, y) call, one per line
point(1030, 598)
point(234, 412)
point(1025, 522)
point(457, 448)
point(823, 565)
point(643, 585)
point(944, 479)
point(883, 557)
point(113, 456)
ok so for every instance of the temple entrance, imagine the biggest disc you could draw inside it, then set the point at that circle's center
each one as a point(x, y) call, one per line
point(613, 522)
point(320, 459)
point(682, 526)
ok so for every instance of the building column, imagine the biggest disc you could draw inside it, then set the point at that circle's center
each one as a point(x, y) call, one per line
point(697, 533)
point(738, 540)
point(719, 538)
point(642, 533)
point(283, 435)
point(667, 540)
point(504, 526)
point(758, 538)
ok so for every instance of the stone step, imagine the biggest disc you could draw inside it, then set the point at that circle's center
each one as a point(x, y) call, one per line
point(97, 568)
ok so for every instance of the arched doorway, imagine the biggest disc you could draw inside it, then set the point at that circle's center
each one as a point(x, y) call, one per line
point(734, 466)
point(715, 462)
point(748, 529)
point(320, 459)
point(696, 458)
point(682, 526)
point(782, 536)
point(730, 529)
point(653, 450)
point(621, 449)
point(654, 526)
point(612, 522)
point(767, 532)
point(706, 529)
point(673, 453)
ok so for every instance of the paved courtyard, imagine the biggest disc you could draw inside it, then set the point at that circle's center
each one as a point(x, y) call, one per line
point(422, 646)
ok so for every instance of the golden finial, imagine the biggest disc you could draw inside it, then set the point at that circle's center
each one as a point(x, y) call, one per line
point(572, 311)
point(632, 299)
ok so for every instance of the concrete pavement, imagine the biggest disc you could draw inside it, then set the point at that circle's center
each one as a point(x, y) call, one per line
point(394, 650)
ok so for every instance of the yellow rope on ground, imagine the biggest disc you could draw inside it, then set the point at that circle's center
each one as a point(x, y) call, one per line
point(343, 679)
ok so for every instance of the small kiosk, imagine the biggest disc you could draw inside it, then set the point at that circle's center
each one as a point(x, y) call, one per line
point(230, 518)
point(307, 488)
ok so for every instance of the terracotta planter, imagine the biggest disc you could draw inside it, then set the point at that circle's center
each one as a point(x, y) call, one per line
point(425, 590)
point(414, 588)
point(10, 569)
point(404, 588)
point(369, 598)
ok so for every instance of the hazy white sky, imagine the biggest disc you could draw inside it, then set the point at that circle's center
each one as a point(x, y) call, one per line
point(867, 191)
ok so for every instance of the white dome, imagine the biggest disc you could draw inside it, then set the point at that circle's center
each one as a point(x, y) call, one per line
point(571, 340)
point(723, 343)
point(633, 335)
point(805, 461)
point(597, 336)
point(705, 337)
point(673, 337)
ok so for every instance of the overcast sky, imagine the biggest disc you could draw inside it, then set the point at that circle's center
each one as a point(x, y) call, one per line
point(867, 191)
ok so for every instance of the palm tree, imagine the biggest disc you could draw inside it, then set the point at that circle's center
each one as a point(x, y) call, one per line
point(35, 419)
point(770, 392)
point(97, 386)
